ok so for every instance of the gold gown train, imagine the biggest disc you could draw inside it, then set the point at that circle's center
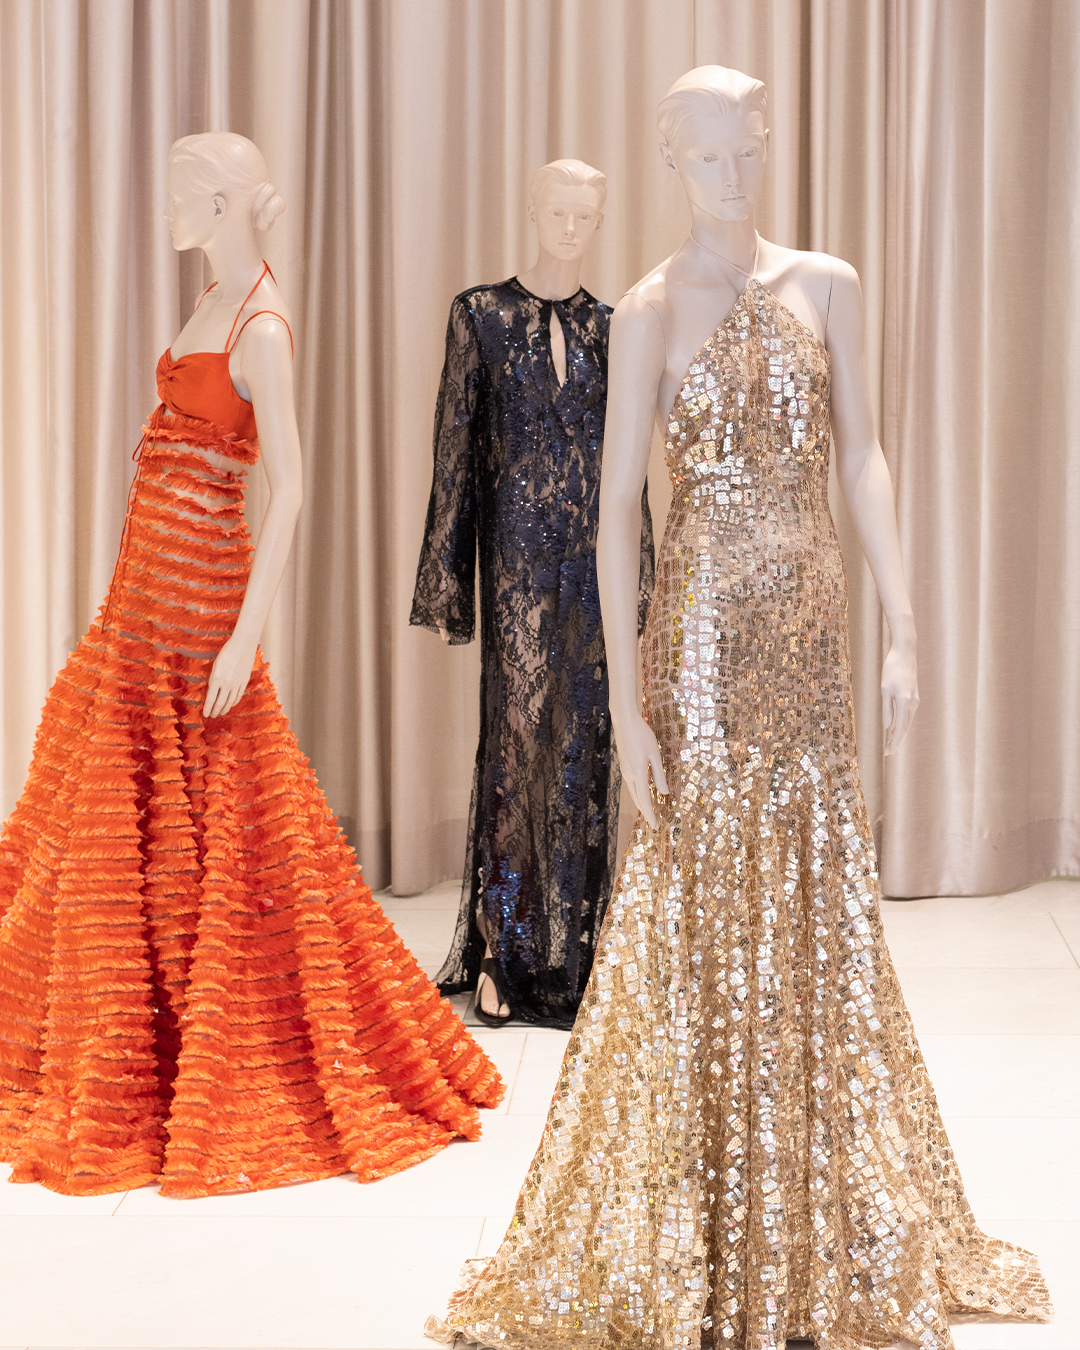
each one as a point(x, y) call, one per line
point(744, 1144)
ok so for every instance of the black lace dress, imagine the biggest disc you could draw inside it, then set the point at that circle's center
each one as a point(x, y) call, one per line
point(517, 476)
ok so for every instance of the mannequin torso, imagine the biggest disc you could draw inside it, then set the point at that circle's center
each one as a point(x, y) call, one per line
point(215, 318)
point(656, 331)
point(691, 293)
point(260, 366)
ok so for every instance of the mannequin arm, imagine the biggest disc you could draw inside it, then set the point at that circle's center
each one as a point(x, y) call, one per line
point(266, 364)
point(867, 488)
point(635, 363)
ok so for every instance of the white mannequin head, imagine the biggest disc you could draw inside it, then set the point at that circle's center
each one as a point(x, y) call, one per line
point(218, 180)
point(713, 135)
point(566, 204)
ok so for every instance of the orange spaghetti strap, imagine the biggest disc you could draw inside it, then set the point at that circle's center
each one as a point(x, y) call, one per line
point(276, 315)
point(266, 268)
point(205, 294)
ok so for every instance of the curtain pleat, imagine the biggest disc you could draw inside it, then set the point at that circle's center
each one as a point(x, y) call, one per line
point(927, 142)
point(981, 325)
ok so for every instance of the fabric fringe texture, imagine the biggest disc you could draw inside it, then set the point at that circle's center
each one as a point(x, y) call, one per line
point(196, 985)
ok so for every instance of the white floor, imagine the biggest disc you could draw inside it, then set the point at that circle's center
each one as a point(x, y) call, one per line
point(994, 987)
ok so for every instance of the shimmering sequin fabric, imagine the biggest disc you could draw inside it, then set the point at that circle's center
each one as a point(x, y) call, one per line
point(744, 1144)
point(517, 482)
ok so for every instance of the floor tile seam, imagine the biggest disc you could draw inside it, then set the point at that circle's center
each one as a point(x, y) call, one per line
point(1068, 944)
point(511, 1084)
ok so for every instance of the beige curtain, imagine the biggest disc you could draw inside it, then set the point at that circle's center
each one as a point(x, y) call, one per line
point(929, 142)
point(982, 381)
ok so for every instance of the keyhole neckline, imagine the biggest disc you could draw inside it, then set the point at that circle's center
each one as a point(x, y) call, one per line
point(553, 318)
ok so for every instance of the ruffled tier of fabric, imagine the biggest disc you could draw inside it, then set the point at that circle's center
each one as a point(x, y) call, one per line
point(744, 1144)
point(196, 985)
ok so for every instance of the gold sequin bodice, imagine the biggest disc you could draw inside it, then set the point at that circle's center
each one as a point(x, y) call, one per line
point(747, 636)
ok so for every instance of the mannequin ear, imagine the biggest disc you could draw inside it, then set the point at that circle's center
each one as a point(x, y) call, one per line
point(666, 156)
point(220, 207)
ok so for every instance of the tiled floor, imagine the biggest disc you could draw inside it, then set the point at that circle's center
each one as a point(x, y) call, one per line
point(994, 987)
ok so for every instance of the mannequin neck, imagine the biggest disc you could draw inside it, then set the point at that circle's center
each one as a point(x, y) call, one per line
point(732, 241)
point(552, 278)
point(236, 261)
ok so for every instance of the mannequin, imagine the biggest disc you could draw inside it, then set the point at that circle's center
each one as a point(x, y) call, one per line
point(657, 328)
point(196, 985)
point(744, 1147)
point(566, 216)
point(518, 438)
point(260, 367)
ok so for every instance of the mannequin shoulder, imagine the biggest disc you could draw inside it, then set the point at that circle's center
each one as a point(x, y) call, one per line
point(820, 276)
point(654, 287)
point(641, 310)
point(638, 316)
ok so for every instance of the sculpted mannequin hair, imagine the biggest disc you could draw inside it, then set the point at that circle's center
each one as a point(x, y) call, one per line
point(708, 89)
point(222, 161)
point(567, 173)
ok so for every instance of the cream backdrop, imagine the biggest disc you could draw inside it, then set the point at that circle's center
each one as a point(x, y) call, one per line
point(932, 143)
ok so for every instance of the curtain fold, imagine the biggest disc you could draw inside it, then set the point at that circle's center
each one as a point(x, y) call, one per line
point(981, 327)
point(930, 143)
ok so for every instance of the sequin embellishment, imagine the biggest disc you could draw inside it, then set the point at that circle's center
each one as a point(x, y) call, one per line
point(744, 1144)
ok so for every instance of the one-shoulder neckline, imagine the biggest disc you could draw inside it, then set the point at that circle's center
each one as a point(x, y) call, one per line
point(726, 320)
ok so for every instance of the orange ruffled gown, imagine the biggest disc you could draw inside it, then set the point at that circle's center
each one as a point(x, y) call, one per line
point(196, 985)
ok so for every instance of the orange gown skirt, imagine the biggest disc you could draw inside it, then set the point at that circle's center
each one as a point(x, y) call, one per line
point(196, 985)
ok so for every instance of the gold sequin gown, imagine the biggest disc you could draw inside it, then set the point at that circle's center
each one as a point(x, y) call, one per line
point(744, 1144)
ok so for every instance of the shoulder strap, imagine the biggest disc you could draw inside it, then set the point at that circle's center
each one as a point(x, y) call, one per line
point(255, 316)
point(266, 268)
point(205, 294)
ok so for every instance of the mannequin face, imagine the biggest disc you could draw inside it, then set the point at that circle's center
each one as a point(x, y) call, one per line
point(566, 219)
point(193, 216)
point(720, 159)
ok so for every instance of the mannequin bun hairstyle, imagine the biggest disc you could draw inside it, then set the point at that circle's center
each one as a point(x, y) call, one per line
point(708, 89)
point(222, 161)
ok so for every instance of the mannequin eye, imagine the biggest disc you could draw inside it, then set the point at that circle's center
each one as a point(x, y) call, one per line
point(709, 159)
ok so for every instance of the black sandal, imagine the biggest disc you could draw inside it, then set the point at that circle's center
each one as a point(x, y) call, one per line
point(490, 968)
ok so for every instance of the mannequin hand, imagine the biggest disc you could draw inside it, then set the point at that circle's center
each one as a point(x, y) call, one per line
point(899, 690)
point(638, 753)
point(229, 675)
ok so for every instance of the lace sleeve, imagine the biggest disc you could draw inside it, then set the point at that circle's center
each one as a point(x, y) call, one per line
point(647, 573)
point(445, 595)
